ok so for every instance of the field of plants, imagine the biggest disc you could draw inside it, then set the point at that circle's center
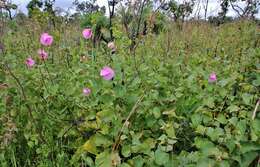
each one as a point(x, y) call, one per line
point(182, 97)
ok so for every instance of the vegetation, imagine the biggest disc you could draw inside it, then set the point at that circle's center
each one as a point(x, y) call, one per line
point(137, 88)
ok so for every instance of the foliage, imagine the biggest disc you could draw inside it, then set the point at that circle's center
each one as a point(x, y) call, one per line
point(180, 11)
point(33, 6)
point(88, 7)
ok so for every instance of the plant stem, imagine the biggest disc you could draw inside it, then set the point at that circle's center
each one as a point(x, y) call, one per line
point(115, 147)
point(256, 107)
point(47, 70)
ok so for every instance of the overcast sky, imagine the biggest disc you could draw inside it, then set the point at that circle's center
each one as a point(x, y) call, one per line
point(213, 9)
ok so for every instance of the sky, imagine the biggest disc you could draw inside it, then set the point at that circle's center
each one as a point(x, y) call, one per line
point(213, 8)
point(65, 4)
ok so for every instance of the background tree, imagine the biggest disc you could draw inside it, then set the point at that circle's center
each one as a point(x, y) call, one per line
point(206, 5)
point(248, 11)
point(179, 11)
point(49, 8)
point(7, 6)
point(34, 6)
point(93, 16)
point(111, 9)
point(88, 6)
point(134, 16)
point(224, 9)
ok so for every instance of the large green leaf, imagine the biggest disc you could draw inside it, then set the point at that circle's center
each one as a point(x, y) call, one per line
point(161, 157)
point(104, 159)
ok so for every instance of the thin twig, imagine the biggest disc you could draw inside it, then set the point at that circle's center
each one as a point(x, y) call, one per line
point(256, 107)
point(126, 121)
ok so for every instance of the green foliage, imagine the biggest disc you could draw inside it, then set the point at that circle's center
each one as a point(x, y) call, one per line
point(34, 5)
point(177, 118)
point(96, 19)
point(180, 11)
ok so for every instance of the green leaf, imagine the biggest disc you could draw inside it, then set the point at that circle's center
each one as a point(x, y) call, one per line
point(255, 129)
point(101, 140)
point(247, 98)
point(256, 82)
point(89, 161)
point(90, 146)
point(233, 121)
point(223, 163)
point(205, 162)
point(161, 157)
point(156, 112)
point(241, 127)
point(214, 133)
point(126, 150)
point(221, 118)
point(248, 158)
point(170, 131)
point(201, 129)
point(124, 165)
point(209, 102)
point(138, 161)
point(206, 146)
point(231, 145)
point(233, 108)
point(248, 147)
point(196, 119)
point(103, 159)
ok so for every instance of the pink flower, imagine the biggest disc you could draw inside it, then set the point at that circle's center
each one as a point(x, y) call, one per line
point(107, 73)
point(212, 77)
point(42, 54)
point(29, 62)
point(87, 33)
point(86, 91)
point(46, 39)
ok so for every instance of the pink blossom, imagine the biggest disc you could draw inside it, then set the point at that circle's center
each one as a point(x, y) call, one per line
point(107, 73)
point(87, 33)
point(86, 91)
point(42, 54)
point(212, 77)
point(29, 62)
point(46, 39)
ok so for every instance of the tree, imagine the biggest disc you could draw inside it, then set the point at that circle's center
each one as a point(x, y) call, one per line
point(111, 9)
point(248, 11)
point(179, 11)
point(8, 6)
point(206, 5)
point(134, 16)
point(87, 7)
point(48, 7)
point(224, 9)
point(34, 5)
point(92, 15)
